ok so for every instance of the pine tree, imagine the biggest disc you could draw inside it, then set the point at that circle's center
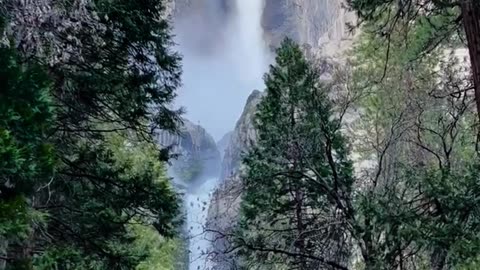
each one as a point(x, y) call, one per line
point(113, 74)
point(291, 216)
point(26, 158)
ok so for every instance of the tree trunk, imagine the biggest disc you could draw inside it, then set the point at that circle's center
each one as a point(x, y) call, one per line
point(471, 22)
point(438, 259)
point(300, 243)
point(3, 253)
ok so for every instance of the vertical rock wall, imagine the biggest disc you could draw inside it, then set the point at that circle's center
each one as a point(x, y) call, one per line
point(319, 24)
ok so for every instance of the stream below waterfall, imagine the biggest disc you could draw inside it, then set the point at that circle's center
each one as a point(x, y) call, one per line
point(197, 201)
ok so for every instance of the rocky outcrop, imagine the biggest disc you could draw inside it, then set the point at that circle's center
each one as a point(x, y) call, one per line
point(224, 207)
point(223, 143)
point(241, 139)
point(320, 25)
point(195, 151)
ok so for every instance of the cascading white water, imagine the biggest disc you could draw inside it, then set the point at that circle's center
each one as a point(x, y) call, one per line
point(250, 52)
point(197, 202)
point(217, 82)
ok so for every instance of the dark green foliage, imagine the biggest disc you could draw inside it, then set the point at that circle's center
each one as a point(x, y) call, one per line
point(106, 194)
point(121, 71)
point(432, 223)
point(299, 158)
point(118, 191)
point(26, 159)
point(112, 78)
point(26, 114)
point(454, 218)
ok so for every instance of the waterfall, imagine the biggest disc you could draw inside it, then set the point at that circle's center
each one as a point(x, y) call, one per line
point(252, 55)
point(197, 202)
point(223, 61)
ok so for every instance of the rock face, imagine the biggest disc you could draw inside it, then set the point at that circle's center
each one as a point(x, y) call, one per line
point(241, 139)
point(224, 208)
point(223, 143)
point(321, 25)
point(196, 152)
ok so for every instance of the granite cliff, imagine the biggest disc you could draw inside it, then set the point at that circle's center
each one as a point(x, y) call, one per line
point(224, 207)
point(319, 24)
point(196, 154)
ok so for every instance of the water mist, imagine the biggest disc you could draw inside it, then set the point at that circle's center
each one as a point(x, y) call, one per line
point(223, 65)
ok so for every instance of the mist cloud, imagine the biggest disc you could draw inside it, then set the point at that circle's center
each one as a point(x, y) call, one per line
point(223, 61)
